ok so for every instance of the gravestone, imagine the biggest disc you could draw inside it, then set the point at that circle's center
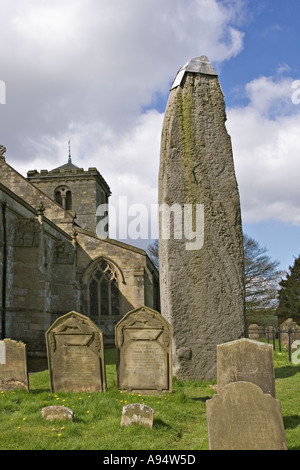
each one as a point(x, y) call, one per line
point(289, 324)
point(242, 417)
point(253, 331)
point(246, 360)
point(51, 413)
point(76, 355)
point(201, 266)
point(143, 340)
point(137, 413)
point(13, 365)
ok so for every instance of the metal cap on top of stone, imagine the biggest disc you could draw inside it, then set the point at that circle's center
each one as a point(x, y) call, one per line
point(202, 286)
point(196, 65)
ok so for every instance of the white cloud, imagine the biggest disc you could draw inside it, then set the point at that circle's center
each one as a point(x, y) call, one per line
point(266, 145)
point(86, 71)
point(99, 61)
point(128, 163)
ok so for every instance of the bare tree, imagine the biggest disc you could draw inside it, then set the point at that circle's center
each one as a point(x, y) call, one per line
point(261, 278)
point(152, 252)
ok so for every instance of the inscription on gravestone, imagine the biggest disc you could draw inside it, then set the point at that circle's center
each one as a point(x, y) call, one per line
point(13, 365)
point(246, 360)
point(143, 340)
point(76, 354)
point(242, 417)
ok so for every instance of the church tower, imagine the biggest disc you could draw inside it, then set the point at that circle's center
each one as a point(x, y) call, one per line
point(75, 190)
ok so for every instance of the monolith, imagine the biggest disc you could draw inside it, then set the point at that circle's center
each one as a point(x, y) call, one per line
point(200, 231)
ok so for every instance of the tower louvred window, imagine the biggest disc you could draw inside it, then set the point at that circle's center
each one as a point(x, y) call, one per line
point(63, 197)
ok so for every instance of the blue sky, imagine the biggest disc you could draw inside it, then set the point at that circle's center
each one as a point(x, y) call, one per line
point(270, 42)
point(98, 73)
point(271, 37)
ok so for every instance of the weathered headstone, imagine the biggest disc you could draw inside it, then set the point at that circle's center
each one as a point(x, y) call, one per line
point(137, 413)
point(13, 365)
point(143, 340)
point(51, 413)
point(253, 331)
point(289, 325)
point(200, 231)
point(246, 360)
point(76, 354)
point(242, 417)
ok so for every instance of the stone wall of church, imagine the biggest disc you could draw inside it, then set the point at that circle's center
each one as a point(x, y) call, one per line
point(26, 191)
point(36, 286)
point(137, 277)
point(46, 268)
point(87, 188)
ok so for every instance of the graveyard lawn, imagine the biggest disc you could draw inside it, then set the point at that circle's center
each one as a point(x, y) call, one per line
point(179, 420)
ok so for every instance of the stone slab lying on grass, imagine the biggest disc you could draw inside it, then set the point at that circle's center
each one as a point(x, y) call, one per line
point(57, 412)
point(136, 413)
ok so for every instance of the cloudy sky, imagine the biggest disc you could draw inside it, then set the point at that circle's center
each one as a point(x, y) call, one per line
point(98, 73)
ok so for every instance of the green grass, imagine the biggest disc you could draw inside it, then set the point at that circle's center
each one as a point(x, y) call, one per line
point(179, 422)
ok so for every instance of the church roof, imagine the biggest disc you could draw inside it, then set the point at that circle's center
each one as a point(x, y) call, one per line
point(66, 166)
point(67, 170)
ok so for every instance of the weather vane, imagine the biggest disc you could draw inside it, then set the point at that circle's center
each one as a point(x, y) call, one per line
point(70, 160)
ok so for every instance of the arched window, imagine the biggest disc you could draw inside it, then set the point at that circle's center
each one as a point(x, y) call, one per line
point(68, 201)
point(63, 197)
point(103, 291)
point(58, 198)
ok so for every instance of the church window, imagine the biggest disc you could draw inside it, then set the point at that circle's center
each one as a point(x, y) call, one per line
point(68, 200)
point(104, 291)
point(58, 198)
point(63, 197)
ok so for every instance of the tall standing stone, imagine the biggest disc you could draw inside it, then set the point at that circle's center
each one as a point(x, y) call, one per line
point(201, 243)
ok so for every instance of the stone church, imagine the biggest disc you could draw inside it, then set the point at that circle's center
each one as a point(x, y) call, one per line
point(52, 261)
